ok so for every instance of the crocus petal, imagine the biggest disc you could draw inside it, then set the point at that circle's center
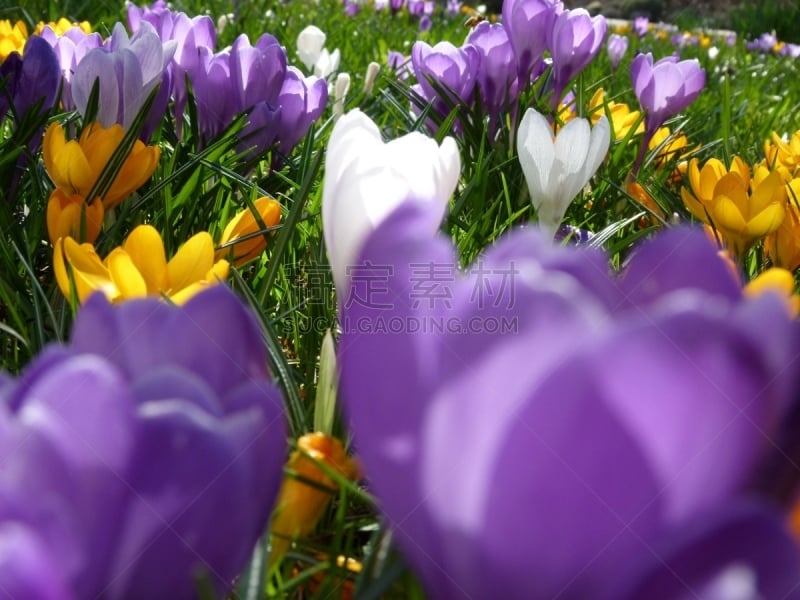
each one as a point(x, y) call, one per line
point(124, 274)
point(190, 264)
point(146, 250)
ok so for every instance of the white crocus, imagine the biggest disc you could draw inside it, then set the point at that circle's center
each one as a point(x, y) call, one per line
point(310, 43)
point(557, 168)
point(366, 179)
point(327, 63)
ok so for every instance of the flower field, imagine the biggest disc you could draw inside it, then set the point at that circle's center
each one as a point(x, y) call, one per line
point(397, 299)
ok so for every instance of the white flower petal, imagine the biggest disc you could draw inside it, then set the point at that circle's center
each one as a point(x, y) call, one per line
point(536, 155)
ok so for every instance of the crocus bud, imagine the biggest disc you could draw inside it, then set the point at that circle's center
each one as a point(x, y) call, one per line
point(340, 93)
point(369, 79)
point(243, 238)
point(617, 46)
point(310, 43)
point(300, 505)
point(69, 215)
point(558, 167)
point(367, 179)
point(497, 68)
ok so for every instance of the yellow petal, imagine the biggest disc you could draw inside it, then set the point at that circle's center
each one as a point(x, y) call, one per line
point(135, 171)
point(776, 280)
point(709, 175)
point(71, 171)
point(245, 224)
point(191, 262)
point(124, 275)
point(88, 271)
point(726, 215)
point(99, 143)
point(146, 249)
point(766, 221)
point(69, 216)
point(770, 190)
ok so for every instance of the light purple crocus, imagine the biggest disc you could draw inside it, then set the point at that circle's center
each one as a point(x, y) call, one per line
point(453, 8)
point(143, 457)
point(666, 87)
point(617, 46)
point(302, 101)
point(528, 23)
point(766, 42)
point(244, 78)
point(195, 40)
point(127, 70)
point(641, 25)
point(70, 48)
point(497, 69)
point(533, 427)
point(574, 41)
point(453, 70)
point(416, 8)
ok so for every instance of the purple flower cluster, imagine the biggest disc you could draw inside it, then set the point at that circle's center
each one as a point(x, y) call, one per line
point(510, 56)
point(142, 458)
point(246, 78)
point(593, 436)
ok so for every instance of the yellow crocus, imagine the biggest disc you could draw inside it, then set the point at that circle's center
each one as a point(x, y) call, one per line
point(778, 281)
point(12, 38)
point(139, 267)
point(243, 238)
point(63, 25)
point(69, 216)
point(783, 155)
point(742, 209)
point(782, 246)
point(307, 488)
point(668, 146)
point(75, 165)
point(622, 117)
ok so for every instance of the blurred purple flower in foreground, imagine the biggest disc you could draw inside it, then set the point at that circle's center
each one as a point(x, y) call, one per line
point(145, 452)
point(537, 428)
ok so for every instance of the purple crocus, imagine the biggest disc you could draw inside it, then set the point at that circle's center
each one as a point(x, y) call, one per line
point(143, 457)
point(195, 40)
point(641, 25)
point(666, 87)
point(29, 80)
point(452, 70)
point(537, 428)
point(302, 101)
point(528, 23)
point(574, 41)
point(244, 78)
point(70, 48)
point(453, 8)
point(126, 70)
point(617, 46)
point(416, 8)
point(497, 68)
point(29, 85)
